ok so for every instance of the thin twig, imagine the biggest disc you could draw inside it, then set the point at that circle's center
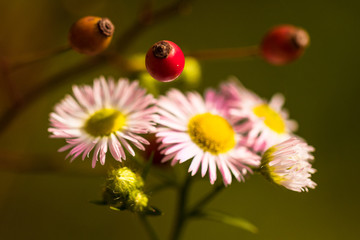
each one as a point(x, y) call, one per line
point(50, 83)
point(140, 25)
point(126, 39)
point(225, 53)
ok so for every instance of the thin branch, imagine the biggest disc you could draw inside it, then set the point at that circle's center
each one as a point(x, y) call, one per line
point(126, 39)
point(50, 83)
point(225, 53)
point(140, 25)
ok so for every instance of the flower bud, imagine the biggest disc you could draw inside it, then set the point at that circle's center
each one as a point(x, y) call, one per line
point(138, 201)
point(288, 164)
point(91, 35)
point(191, 74)
point(124, 191)
point(135, 63)
point(123, 181)
point(147, 81)
point(283, 44)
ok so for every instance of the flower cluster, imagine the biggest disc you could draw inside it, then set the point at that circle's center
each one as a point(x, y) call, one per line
point(266, 123)
point(124, 190)
point(230, 130)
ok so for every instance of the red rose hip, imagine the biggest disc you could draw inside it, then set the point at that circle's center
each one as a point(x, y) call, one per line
point(283, 44)
point(165, 61)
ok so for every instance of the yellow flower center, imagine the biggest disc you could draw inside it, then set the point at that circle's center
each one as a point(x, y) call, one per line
point(274, 176)
point(267, 170)
point(104, 122)
point(272, 119)
point(211, 133)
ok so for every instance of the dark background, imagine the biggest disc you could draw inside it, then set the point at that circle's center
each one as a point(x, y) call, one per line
point(321, 91)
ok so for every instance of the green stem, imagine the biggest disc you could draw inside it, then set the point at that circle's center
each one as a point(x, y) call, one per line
point(149, 229)
point(205, 200)
point(181, 215)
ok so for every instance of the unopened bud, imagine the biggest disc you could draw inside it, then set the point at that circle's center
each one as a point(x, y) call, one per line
point(123, 181)
point(138, 201)
point(191, 74)
point(288, 164)
point(124, 190)
point(147, 81)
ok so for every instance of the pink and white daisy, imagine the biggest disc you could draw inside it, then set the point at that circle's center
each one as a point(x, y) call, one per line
point(266, 123)
point(104, 116)
point(288, 164)
point(202, 130)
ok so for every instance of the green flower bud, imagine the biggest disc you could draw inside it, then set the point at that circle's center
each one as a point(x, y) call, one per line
point(189, 78)
point(124, 190)
point(191, 74)
point(149, 83)
point(138, 201)
point(136, 63)
point(123, 181)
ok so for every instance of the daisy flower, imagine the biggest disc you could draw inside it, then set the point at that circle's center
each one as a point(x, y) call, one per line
point(266, 123)
point(201, 130)
point(288, 164)
point(104, 116)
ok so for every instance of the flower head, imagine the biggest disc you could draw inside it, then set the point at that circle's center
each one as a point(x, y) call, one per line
point(201, 130)
point(123, 180)
point(266, 123)
point(124, 190)
point(107, 115)
point(288, 164)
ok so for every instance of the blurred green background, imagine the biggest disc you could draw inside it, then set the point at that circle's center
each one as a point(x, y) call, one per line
point(321, 91)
